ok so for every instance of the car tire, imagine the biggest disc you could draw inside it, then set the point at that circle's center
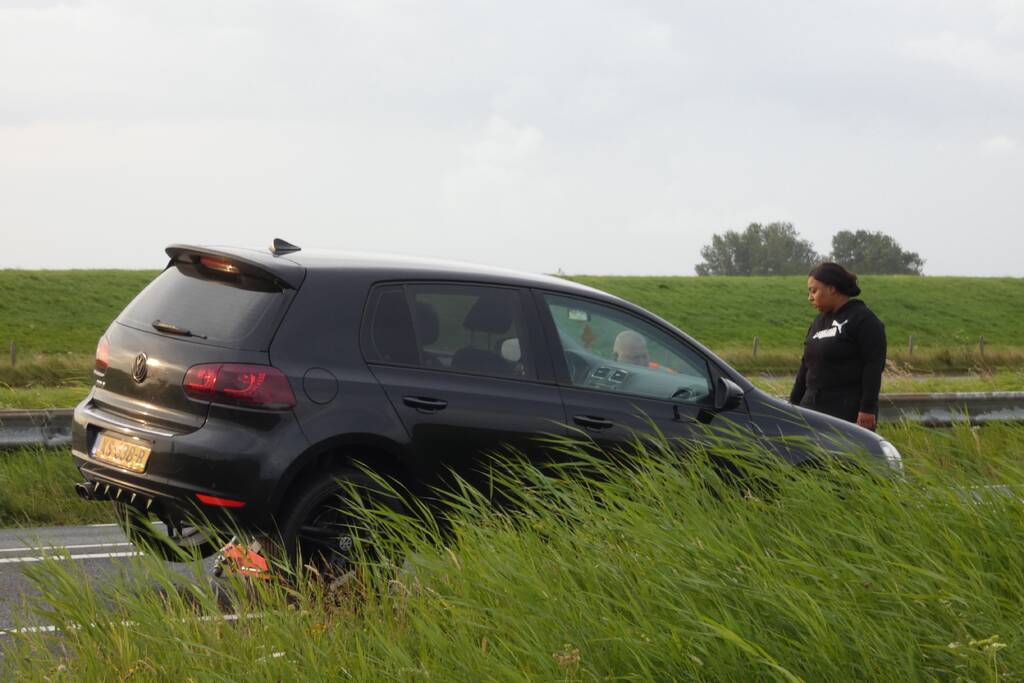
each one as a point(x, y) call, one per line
point(316, 531)
point(180, 546)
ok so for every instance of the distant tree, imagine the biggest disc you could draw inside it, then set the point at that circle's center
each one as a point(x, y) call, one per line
point(772, 249)
point(874, 252)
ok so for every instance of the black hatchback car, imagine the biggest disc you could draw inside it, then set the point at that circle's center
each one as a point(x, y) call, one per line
point(244, 384)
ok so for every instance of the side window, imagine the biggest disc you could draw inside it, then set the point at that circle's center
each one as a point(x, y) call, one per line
point(611, 350)
point(462, 328)
point(471, 329)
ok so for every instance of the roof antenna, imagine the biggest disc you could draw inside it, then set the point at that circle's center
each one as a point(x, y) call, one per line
point(281, 247)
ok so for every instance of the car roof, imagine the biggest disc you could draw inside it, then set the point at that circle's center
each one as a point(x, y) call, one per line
point(389, 266)
point(290, 267)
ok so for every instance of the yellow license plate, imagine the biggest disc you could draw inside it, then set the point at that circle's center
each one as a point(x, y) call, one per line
point(129, 455)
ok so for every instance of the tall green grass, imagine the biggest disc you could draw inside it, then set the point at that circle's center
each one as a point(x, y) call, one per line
point(951, 359)
point(37, 489)
point(36, 397)
point(48, 370)
point(658, 571)
point(904, 383)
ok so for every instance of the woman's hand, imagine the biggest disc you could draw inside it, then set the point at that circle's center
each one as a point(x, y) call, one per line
point(867, 420)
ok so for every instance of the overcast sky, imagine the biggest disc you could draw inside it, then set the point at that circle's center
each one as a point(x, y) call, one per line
point(587, 136)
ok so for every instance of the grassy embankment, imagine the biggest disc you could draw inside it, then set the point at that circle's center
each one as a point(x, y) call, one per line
point(656, 573)
point(945, 315)
point(901, 383)
point(56, 317)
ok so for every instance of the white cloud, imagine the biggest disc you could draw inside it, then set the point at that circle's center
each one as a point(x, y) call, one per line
point(975, 57)
point(999, 145)
point(504, 143)
point(1009, 15)
point(495, 160)
point(605, 135)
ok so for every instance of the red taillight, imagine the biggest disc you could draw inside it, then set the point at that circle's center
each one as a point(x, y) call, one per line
point(255, 386)
point(102, 355)
point(220, 502)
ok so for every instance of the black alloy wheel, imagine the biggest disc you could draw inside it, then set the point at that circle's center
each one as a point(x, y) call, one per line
point(320, 529)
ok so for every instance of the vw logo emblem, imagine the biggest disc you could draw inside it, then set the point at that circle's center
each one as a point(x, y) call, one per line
point(140, 367)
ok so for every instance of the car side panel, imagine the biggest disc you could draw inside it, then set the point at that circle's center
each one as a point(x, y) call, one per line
point(797, 434)
point(339, 403)
point(481, 417)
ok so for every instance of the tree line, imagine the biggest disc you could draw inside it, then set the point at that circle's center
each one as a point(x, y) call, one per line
point(778, 249)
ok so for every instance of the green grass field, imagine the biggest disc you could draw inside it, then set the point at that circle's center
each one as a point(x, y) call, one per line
point(38, 490)
point(56, 317)
point(67, 396)
point(37, 397)
point(654, 573)
point(63, 311)
point(940, 312)
point(945, 315)
point(650, 574)
point(901, 383)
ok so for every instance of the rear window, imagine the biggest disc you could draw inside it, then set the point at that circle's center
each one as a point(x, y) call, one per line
point(238, 313)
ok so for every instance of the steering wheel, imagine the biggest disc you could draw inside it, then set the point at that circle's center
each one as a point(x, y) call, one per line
point(578, 367)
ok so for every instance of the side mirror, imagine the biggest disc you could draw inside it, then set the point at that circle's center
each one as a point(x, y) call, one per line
point(728, 394)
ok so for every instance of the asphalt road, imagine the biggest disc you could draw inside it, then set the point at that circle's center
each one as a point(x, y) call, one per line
point(101, 549)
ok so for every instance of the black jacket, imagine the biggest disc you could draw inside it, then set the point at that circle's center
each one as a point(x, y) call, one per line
point(844, 352)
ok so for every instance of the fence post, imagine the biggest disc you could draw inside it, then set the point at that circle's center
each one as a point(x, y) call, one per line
point(981, 346)
point(910, 348)
point(14, 354)
point(757, 344)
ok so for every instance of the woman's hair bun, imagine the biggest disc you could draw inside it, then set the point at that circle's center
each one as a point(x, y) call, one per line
point(835, 275)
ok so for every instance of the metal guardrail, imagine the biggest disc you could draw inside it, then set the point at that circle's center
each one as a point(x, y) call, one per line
point(52, 428)
point(46, 428)
point(942, 410)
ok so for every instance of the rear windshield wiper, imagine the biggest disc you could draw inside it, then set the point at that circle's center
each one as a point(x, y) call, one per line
point(171, 328)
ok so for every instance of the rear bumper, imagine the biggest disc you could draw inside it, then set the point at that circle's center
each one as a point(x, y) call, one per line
point(238, 455)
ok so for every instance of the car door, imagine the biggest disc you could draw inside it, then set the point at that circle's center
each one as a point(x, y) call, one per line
point(624, 376)
point(465, 368)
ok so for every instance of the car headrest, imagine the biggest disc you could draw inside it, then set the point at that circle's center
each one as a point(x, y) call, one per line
point(427, 326)
point(491, 313)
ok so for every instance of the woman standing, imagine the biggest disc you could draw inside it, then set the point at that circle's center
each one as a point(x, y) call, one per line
point(844, 352)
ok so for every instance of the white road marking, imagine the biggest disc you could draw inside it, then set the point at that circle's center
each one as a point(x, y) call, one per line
point(28, 629)
point(110, 524)
point(50, 628)
point(62, 547)
point(84, 556)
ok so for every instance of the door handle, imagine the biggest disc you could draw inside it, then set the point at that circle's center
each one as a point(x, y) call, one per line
point(425, 404)
point(589, 422)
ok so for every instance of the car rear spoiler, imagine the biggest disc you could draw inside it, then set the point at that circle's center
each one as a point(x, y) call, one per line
point(259, 264)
